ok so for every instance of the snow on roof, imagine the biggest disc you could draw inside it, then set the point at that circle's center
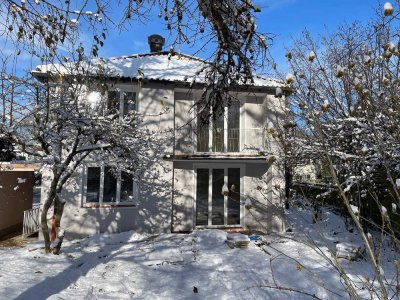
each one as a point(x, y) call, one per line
point(162, 66)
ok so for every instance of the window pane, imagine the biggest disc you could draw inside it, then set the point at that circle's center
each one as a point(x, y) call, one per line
point(203, 131)
point(202, 197)
point(217, 197)
point(126, 187)
point(218, 133)
point(113, 102)
point(234, 196)
point(110, 186)
point(93, 184)
point(233, 127)
point(129, 102)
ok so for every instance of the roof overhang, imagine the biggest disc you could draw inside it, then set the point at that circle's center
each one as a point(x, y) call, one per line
point(46, 77)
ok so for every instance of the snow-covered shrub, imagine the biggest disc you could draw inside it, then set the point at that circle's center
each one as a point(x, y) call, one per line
point(346, 106)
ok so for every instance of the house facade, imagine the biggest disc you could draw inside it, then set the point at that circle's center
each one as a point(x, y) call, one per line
point(209, 171)
point(307, 171)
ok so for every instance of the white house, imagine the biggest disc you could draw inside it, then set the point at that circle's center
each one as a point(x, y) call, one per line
point(307, 170)
point(204, 175)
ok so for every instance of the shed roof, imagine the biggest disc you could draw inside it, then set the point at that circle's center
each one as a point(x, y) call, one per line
point(19, 166)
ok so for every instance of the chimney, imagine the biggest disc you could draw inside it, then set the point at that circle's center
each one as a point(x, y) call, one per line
point(156, 42)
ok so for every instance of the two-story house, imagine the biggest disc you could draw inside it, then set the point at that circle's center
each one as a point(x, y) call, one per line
point(215, 171)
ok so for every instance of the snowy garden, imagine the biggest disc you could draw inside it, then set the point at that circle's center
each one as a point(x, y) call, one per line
point(279, 174)
point(300, 264)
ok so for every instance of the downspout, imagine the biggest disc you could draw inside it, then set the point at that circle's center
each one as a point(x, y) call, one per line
point(173, 170)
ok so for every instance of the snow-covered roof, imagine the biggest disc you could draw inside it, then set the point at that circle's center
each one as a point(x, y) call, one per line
point(163, 66)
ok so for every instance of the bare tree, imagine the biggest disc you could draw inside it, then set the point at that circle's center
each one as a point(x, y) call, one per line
point(61, 128)
point(227, 27)
point(345, 100)
point(49, 119)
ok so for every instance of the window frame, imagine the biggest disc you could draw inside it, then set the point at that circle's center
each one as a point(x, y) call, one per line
point(122, 89)
point(101, 202)
point(211, 129)
point(212, 166)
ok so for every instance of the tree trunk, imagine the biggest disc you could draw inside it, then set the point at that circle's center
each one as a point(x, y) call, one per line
point(43, 221)
point(288, 183)
point(58, 211)
point(58, 242)
point(51, 195)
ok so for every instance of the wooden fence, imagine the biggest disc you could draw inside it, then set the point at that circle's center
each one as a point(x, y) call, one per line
point(31, 220)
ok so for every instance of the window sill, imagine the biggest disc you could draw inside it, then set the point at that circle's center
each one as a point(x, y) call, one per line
point(96, 205)
point(224, 227)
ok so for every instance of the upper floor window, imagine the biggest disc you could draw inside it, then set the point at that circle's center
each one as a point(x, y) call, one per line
point(129, 102)
point(105, 186)
point(121, 102)
point(219, 132)
point(113, 99)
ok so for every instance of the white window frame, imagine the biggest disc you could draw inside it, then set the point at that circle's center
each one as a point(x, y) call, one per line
point(124, 88)
point(211, 132)
point(210, 167)
point(135, 189)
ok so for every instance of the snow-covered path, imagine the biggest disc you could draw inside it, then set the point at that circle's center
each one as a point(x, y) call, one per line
point(171, 266)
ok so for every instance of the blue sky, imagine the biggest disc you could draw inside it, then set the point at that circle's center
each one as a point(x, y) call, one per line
point(284, 18)
point(288, 18)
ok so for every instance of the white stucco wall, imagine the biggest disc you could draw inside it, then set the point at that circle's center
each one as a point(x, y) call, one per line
point(152, 210)
point(151, 213)
point(184, 122)
point(183, 198)
point(166, 188)
point(262, 182)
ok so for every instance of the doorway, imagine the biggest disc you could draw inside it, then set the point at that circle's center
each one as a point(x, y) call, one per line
point(218, 194)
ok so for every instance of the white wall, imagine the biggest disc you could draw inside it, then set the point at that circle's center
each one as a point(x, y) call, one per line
point(263, 183)
point(163, 182)
point(184, 122)
point(152, 210)
point(267, 213)
point(183, 199)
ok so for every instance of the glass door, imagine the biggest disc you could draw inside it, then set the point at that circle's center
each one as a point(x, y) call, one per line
point(218, 196)
point(202, 197)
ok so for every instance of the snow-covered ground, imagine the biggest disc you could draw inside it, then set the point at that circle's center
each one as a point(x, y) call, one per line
point(195, 266)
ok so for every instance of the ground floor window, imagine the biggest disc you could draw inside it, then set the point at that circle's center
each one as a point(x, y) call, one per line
point(218, 196)
point(106, 186)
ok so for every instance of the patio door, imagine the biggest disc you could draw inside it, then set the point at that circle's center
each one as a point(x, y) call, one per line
point(218, 196)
